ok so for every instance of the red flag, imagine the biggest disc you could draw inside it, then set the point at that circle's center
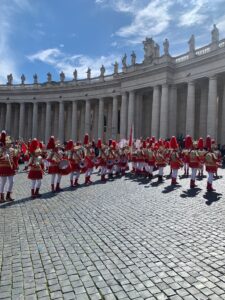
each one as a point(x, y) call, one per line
point(24, 148)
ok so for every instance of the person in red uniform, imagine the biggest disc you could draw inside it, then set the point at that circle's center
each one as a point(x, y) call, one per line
point(36, 168)
point(201, 153)
point(175, 161)
point(54, 157)
point(7, 167)
point(194, 163)
point(88, 160)
point(185, 154)
point(211, 163)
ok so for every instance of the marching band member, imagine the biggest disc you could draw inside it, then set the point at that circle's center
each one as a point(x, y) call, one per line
point(175, 161)
point(150, 160)
point(201, 153)
point(211, 163)
point(36, 166)
point(111, 158)
point(194, 163)
point(88, 159)
point(54, 158)
point(77, 156)
point(161, 161)
point(7, 167)
point(185, 154)
point(102, 160)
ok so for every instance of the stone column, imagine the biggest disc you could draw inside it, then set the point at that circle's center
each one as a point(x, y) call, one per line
point(21, 120)
point(156, 112)
point(15, 133)
point(48, 121)
point(2, 116)
point(123, 117)
point(35, 116)
point(203, 110)
point(56, 120)
point(95, 122)
point(173, 111)
point(61, 122)
point(139, 116)
point(212, 108)
point(190, 111)
point(74, 121)
point(8, 117)
point(100, 118)
point(87, 116)
point(115, 117)
point(164, 112)
point(109, 120)
point(130, 112)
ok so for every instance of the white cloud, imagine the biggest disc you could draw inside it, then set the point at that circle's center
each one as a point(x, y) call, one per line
point(67, 63)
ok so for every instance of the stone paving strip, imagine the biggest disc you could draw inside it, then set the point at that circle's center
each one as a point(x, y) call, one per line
point(126, 239)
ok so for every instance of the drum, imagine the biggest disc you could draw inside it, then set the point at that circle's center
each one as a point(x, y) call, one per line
point(64, 167)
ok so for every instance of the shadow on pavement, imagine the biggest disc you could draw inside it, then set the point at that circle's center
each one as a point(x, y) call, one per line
point(190, 193)
point(212, 197)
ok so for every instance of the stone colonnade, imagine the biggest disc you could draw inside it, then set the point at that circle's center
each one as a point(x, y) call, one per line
point(195, 107)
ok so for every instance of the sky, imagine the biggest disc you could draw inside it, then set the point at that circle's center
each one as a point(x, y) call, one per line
point(41, 36)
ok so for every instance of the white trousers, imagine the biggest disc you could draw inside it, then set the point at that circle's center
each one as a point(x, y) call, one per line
point(35, 184)
point(88, 172)
point(174, 173)
point(161, 169)
point(76, 175)
point(58, 180)
point(3, 180)
point(210, 177)
point(193, 173)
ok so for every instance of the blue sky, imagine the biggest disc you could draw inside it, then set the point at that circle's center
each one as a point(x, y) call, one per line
point(41, 36)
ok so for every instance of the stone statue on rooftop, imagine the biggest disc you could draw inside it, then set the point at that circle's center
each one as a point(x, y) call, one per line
point(116, 67)
point(88, 73)
point(149, 50)
point(191, 43)
point(75, 75)
point(133, 58)
point(10, 79)
point(62, 76)
point(124, 61)
point(215, 34)
point(102, 71)
point(35, 77)
point(49, 77)
point(23, 78)
point(166, 47)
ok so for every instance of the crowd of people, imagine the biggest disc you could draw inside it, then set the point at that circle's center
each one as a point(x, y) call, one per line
point(142, 156)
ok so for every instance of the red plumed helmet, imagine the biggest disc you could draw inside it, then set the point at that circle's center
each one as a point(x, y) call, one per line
point(200, 143)
point(69, 145)
point(208, 142)
point(161, 142)
point(173, 142)
point(110, 142)
point(113, 144)
point(188, 142)
point(167, 144)
point(33, 145)
point(86, 139)
point(3, 137)
point(51, 143)
point(99, 144)
point(144, 146)
point(153, 139)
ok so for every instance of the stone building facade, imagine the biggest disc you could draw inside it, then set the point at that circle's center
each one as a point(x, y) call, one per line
point(162, 96)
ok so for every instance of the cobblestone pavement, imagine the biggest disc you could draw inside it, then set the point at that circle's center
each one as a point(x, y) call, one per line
point(126, 239)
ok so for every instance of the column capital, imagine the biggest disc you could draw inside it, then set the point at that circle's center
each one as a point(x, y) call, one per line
point(165, 84)
point(191, 82)
point(213, 77)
